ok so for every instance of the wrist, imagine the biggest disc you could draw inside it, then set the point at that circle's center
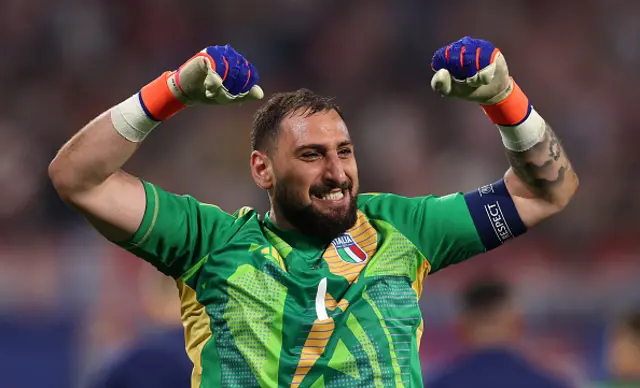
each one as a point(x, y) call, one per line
point(135, 117)
point(521, 127)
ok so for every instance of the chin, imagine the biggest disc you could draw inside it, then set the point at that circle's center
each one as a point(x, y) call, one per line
point(325, 218)
point(333, 210)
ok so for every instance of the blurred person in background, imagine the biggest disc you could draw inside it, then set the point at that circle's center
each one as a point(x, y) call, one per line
point(491, 326)
point(158, 359)
point(623, 353)
point(263, 297)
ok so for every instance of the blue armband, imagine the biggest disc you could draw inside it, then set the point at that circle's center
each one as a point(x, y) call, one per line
point(494, 214)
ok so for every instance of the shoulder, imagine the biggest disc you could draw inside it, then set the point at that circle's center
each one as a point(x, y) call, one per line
point(233, 222)
point(380, 205)
point(245, 212)
point(245, 219)
point(371, 202)
point(364, 198)
point(368, 199)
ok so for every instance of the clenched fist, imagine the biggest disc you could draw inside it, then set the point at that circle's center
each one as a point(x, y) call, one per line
point(471, 69)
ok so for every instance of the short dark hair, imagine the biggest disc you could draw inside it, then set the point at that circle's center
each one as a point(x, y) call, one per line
point(267, 119)
point(485, 296)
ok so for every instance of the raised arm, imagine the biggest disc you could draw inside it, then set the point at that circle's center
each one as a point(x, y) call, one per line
point(87, 170)
point(86, 174)
point(541, 181)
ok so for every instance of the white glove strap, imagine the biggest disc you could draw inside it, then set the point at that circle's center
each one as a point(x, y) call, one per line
point(130, 120)
point(521, 127)
point(524, 136)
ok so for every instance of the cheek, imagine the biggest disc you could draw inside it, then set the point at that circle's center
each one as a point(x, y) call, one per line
point(352, 172)
point(296, 183)
point(306, 176)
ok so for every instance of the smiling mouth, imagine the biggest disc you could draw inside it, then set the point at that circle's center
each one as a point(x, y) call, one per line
point(334, 195)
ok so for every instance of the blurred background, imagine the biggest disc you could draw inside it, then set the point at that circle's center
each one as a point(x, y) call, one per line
point(70, 302)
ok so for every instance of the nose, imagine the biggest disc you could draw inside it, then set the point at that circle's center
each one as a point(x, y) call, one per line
point(334, 170)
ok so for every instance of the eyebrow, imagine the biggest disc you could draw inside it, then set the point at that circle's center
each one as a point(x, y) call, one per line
point(322, 147)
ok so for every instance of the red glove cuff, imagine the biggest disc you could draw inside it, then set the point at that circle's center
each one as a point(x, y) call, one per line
point(511, 111)
point(157, 100)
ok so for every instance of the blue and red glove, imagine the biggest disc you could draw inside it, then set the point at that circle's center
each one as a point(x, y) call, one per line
point(475, 70)
point(215, 75)
point(470, 69)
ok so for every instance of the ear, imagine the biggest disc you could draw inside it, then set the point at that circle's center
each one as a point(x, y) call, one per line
point(261, 170)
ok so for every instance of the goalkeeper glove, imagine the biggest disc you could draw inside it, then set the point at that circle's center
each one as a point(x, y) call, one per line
point(474, 70)
point(216, 75)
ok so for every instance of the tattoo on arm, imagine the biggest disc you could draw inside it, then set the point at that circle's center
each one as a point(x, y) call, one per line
point(554, 146)
point(544, 168)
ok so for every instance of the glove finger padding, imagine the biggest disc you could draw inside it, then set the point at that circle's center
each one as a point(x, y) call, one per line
point(215, 92)
point(204, 78)
point(441, 82)
point(483, 86)
point(191, 79)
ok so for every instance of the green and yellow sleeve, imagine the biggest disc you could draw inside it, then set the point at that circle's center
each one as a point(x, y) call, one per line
point(177, 231)
point(440, 227)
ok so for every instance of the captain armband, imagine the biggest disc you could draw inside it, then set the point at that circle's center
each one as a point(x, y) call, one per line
point(494, 214)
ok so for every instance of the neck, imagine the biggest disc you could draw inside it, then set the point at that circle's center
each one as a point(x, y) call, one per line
point(279, 220)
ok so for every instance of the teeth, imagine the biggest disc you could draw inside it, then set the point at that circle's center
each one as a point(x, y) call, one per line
point(333, 196)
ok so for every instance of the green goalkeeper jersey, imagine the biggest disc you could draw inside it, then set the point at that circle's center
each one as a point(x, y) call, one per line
point(265, 307)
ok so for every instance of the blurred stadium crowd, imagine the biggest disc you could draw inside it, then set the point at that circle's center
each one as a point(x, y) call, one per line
point(69, 301)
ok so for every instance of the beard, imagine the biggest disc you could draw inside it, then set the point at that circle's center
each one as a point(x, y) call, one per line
point(308, 219)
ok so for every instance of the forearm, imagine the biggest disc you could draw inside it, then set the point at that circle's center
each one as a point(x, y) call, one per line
point(87, 170)
point(544, 170)
point(104, 145)
point(100, 149)
point(90, 157)
point(541, 180)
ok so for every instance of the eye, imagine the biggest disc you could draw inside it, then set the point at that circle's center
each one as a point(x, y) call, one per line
point(309, 156)
point(344, 152)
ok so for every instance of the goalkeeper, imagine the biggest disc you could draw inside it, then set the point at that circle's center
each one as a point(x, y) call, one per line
point(322, 291)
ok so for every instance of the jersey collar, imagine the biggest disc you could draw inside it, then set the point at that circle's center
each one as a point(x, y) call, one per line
point(295, 238)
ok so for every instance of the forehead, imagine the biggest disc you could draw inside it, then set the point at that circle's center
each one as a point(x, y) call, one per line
point(322, 128)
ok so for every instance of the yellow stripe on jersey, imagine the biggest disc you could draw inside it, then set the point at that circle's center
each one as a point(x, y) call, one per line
point(197, 329)
point(271, 253)
point(331, 303)
point(317, 340)
point(313, 348)
point(422, 273)
point(244, 210)
point(156, 208)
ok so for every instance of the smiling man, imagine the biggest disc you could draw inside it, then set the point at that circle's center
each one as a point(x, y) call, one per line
point(323, 290)
point(307, 160)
